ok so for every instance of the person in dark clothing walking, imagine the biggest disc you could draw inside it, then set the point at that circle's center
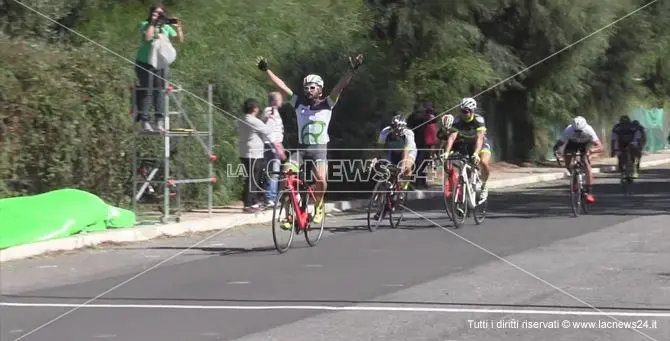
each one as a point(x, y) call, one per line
point(420, 122)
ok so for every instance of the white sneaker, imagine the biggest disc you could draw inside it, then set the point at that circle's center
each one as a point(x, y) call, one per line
point(146, 126)
point(160, 124)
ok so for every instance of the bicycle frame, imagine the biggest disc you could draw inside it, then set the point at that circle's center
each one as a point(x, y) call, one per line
point(392, 182)
point(293, 184)
point(469, 192)
point(464, 172)
point(452, 176)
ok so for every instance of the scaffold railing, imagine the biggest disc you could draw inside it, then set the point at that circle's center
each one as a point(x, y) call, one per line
point(148, 184)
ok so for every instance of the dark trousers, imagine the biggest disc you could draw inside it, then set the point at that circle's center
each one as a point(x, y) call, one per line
point(252, 192)
point(151, 84)
point(420, 166)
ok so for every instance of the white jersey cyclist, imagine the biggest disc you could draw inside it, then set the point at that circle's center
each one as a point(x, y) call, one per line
point(397, 143)
point(581, 134)
point(578, 137)
point(313, 119)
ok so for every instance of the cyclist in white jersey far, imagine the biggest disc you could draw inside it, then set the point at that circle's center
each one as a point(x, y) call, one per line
point(580, 136)
point(313, 112)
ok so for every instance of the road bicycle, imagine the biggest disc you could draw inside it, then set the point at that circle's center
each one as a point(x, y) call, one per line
point(295, 204)
point(388, 196)
point(464, 190)
point(577, 170)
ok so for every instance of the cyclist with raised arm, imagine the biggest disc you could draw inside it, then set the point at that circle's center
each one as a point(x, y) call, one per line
point(467, 133)
point(580, 136)
point(626, 135)
point(313, 110)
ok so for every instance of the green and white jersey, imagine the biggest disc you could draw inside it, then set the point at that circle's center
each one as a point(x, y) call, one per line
point(313, 120)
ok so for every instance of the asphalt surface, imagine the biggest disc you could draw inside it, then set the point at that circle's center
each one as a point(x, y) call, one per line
point(530, 264)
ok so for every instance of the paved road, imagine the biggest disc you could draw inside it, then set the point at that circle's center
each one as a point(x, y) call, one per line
point(529, 263)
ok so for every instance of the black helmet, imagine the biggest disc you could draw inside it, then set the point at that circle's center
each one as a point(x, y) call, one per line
point(624, 119)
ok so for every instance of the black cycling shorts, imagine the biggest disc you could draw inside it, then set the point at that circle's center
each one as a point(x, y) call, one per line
point(572, 147)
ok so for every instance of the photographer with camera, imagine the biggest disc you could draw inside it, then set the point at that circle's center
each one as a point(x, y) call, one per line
point(151, 62)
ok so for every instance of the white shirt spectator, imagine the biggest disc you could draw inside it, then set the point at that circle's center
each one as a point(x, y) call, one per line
point(252, 135)
point(274, 123)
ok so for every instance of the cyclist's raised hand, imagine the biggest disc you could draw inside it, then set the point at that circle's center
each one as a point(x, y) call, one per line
point(262, 63)
point(356, 61)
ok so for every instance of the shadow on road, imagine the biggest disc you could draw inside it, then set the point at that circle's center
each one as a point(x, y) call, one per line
point(651, 197)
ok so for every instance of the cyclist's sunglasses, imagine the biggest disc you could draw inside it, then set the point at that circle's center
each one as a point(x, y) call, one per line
point(310, 87)
point(466, 111)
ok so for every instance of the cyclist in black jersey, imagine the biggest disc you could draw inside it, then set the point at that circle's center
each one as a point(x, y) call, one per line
point(624, 135)
point(467, 134)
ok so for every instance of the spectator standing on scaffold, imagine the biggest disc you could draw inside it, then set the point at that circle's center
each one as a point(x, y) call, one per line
point(274, 122)
point(151, 65)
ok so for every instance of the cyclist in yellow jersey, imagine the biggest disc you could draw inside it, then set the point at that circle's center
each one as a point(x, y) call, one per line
point(467, 133)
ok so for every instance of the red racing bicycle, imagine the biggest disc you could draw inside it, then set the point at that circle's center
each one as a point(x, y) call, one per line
point(294, 210)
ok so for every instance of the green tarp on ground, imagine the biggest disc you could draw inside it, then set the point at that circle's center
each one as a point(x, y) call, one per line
point(57, 214)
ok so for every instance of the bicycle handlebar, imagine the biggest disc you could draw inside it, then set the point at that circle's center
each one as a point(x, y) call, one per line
point(575, 154)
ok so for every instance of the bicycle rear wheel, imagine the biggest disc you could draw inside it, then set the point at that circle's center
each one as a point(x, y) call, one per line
point(282, 210)
point(377, 205)
point(313, 233)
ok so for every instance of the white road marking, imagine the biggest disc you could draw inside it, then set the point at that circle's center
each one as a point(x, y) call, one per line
point(631, 313)
point(239, 282)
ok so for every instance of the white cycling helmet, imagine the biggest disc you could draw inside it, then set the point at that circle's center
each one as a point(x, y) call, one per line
point(316, 79)
point(468, 103)
point(448, 120)
point(579, 123)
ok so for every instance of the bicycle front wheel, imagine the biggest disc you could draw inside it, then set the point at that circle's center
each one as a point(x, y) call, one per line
point(459, 207)
point(398, 207)
point(313, 232)
point(447, 188)
point(377, 206)
point(575, 195)
point(283, 221)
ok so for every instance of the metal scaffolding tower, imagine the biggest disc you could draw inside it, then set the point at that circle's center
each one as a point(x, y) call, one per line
point(177, 125)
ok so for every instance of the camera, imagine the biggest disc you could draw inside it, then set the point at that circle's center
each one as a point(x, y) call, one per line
point(163, 20)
